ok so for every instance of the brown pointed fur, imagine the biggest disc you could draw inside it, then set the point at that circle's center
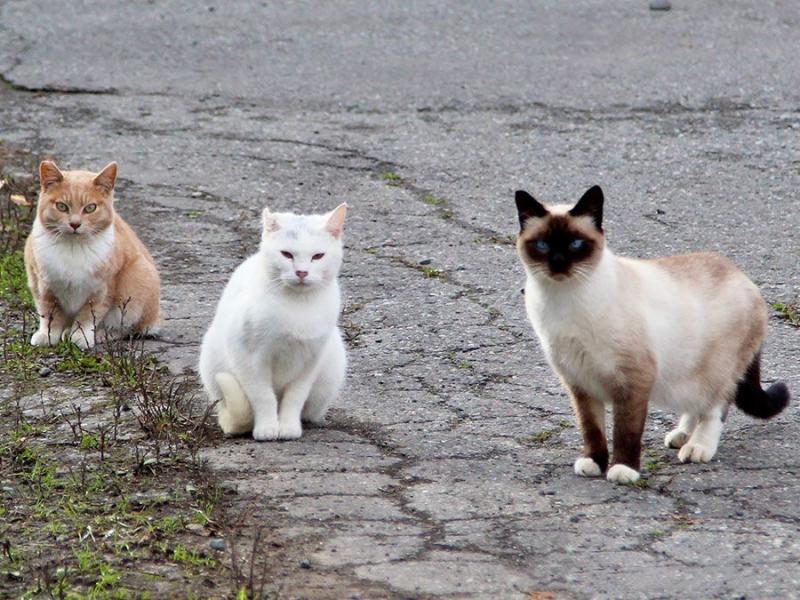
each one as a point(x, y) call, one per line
point(612, 361)
point(128, 280)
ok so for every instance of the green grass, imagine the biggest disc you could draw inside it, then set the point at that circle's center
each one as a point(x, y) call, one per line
point(432, 200)
point(789, 312)
point(392, 178)
point(541, 437)
point(14, 280)
point(431, 272)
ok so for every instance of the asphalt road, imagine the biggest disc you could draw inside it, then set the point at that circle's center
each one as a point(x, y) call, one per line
point(446, 467)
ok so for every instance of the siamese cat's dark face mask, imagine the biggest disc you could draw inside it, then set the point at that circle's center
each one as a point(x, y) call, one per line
point(558, 243)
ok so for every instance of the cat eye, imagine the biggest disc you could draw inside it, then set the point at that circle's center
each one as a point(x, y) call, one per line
point(288, 255)
point(576, 244)
point(90, 208)
point(542, 246)
point(62, 207)
point(318, 255)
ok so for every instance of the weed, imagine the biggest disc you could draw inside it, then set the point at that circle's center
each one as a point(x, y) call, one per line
point(789, 312)
point(392, 178)
point(431, 272)
point(432, 200)
point(192, 557)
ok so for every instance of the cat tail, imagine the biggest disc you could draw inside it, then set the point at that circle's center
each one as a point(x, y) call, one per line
point(758, 402)
point(235, 415)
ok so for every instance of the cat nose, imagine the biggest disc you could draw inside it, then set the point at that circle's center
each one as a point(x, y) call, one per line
point(75, 226)
point(301, 274)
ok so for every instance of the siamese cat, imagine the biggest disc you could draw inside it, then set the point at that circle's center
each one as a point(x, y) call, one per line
point(681, 332)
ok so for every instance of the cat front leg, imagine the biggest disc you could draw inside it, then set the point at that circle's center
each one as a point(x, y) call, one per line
point(591, 415)
point(295, 396)
point(630, 413)
point(83, 332)
point(52, 322)
point(258, 388)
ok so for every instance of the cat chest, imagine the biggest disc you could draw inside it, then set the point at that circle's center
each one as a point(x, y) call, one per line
point(582, 361)
point(72, 271)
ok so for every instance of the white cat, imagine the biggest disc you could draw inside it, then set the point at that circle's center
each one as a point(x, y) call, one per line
point(274, 353)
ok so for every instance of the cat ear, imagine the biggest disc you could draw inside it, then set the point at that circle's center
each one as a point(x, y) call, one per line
point(528, 207)
point(591, 204)
point(270, 221)
point(335, 224)
point(49, 174)
point(107, 177)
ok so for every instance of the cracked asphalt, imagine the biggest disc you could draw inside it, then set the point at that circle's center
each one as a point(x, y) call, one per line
point(445, 469)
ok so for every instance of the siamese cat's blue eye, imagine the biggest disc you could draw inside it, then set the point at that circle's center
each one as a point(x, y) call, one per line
point(576, 244)
point(542, 246)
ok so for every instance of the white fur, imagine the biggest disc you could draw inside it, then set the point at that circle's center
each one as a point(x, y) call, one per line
point(586, 467)
point(584, 322)
point(702, 444)
point(274, 353)
point(680, 435)
point(70, 262)
point(622, 474)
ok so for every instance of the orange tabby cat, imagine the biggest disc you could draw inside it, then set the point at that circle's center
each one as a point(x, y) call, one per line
point(86, 268)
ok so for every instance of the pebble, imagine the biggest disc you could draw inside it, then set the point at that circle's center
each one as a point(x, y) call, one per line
point(426, 261)
point(305, 564)
point(45, 372)
point(660, 5)
point(217, 544)
point(197, 194)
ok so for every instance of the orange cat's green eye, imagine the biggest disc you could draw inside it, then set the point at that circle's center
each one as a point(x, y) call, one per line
point(62, 207)
point(90, 208)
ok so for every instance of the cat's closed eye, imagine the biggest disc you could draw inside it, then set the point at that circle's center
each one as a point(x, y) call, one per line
point(318, 256)
point(286, 254)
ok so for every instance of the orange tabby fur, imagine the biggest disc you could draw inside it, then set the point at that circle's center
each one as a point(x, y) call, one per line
point(86, 267)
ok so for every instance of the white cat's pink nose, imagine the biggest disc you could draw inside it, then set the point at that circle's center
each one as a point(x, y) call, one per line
point(301, 274)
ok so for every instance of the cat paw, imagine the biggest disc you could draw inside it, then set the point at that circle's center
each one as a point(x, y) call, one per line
point(82, 338)
point(265, 432)
point(289, 431)
point(43, 338)
point(622, 474)
point(694, 452)
point(676, 438)
point(586, 467)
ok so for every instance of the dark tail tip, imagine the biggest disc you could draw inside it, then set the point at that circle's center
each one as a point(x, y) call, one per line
point(756, 402)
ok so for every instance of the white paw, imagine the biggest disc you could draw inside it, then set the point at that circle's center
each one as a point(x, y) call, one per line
point(42, 338)
point(290, 431)
point(622, 474)
point(676, 438)
point(694, 452)
point(82, 338)
point(265, 432)
point(586, 467)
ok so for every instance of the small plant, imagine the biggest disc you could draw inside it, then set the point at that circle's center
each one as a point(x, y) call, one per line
point(789, 312)
point(432, 200)
point(392, 178)
point(431, 272)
